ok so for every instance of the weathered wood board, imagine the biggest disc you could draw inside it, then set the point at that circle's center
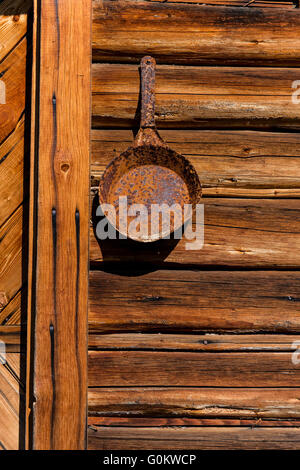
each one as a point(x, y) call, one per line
point(11, 390)
point(229, 163)
point(195, 34)
point(193, 342)
point(207, 403)
point(200, 342)
point(198, 97)
point(204, 438)
point(237, 232)
point(239, 3)
point(59, 242)
point(204, 300)
point(14, 67)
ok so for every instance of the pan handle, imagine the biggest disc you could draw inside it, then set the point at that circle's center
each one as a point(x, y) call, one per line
point(148, 64)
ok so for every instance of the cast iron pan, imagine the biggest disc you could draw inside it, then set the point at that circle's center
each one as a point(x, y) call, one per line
point(148, 173)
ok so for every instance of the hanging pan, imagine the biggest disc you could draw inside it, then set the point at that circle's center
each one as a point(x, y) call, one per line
point(149, 173)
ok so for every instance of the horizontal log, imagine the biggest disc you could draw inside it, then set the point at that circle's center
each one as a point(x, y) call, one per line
point(247, 144)
point(198, 97)
point(253, 163)
point(204, 438)
point(182, 421)
point(237, 232)
point(192, 369)
point(238, 3)
point(195, 34)
point(196, 81)
point(173, 300)
point(208, 342)
point(239, 403)
point(11, 172)
point(13, 74)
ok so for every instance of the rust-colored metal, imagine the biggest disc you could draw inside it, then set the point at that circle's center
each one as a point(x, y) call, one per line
point(149, 173)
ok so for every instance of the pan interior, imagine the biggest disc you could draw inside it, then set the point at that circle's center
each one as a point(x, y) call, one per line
point(150, 184)
point(154, 178)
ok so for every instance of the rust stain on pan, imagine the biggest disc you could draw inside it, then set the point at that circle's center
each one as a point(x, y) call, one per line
point(150, 172)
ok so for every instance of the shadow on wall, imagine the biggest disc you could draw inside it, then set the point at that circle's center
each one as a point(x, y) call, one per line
point(14, 7)
point(122, 256)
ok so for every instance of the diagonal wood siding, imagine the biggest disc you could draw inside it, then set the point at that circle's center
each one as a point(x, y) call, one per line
point(14, 59)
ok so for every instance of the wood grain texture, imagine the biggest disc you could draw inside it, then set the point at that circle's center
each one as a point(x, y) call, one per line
point(182, 300)
point(208, 390)
point(183, 421)
point(180, 342)
point(197, 97)
point(10, 336)
point(195, 34)
point(192, 369)
point(11, 172)
point(60, 268)
point(237, 3)
point(9, 402)
point(13, 74)
point(13, 24)
point(11, 237)
point(229, 163)
point(239, 403)
point(204, 438)
point(11, 314)
point(237, 232)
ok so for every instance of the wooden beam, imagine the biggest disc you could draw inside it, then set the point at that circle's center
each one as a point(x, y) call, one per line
point(192, 369)
point(198, 97)
point(180, 342)
point(237, 3)
point(59, 225)
point(183, 421)
point(189, 300)
point(229, 163)
point(240, 403)
point(204, 438)
point(237, 232)
point(195, 34)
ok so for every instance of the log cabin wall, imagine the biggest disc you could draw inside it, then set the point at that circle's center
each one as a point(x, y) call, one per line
point(187, 349)
point(193, 349)
point(15, 65)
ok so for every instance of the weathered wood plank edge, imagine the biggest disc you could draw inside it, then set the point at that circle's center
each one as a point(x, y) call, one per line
point(227, 402)
point(224, 300)
point(250, 233)
point(58, 210)
point(236, 3)
point(141, 422)
point(199, 369)
point(204, 438)
point(191, 342)
point(190, 19)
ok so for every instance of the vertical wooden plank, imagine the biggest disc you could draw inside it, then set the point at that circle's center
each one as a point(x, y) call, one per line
point(57, 349)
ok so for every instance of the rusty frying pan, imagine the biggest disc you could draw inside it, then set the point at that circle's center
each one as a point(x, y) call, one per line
point(149, 173)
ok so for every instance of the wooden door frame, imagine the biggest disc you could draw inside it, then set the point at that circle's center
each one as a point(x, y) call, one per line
point(59, 226)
